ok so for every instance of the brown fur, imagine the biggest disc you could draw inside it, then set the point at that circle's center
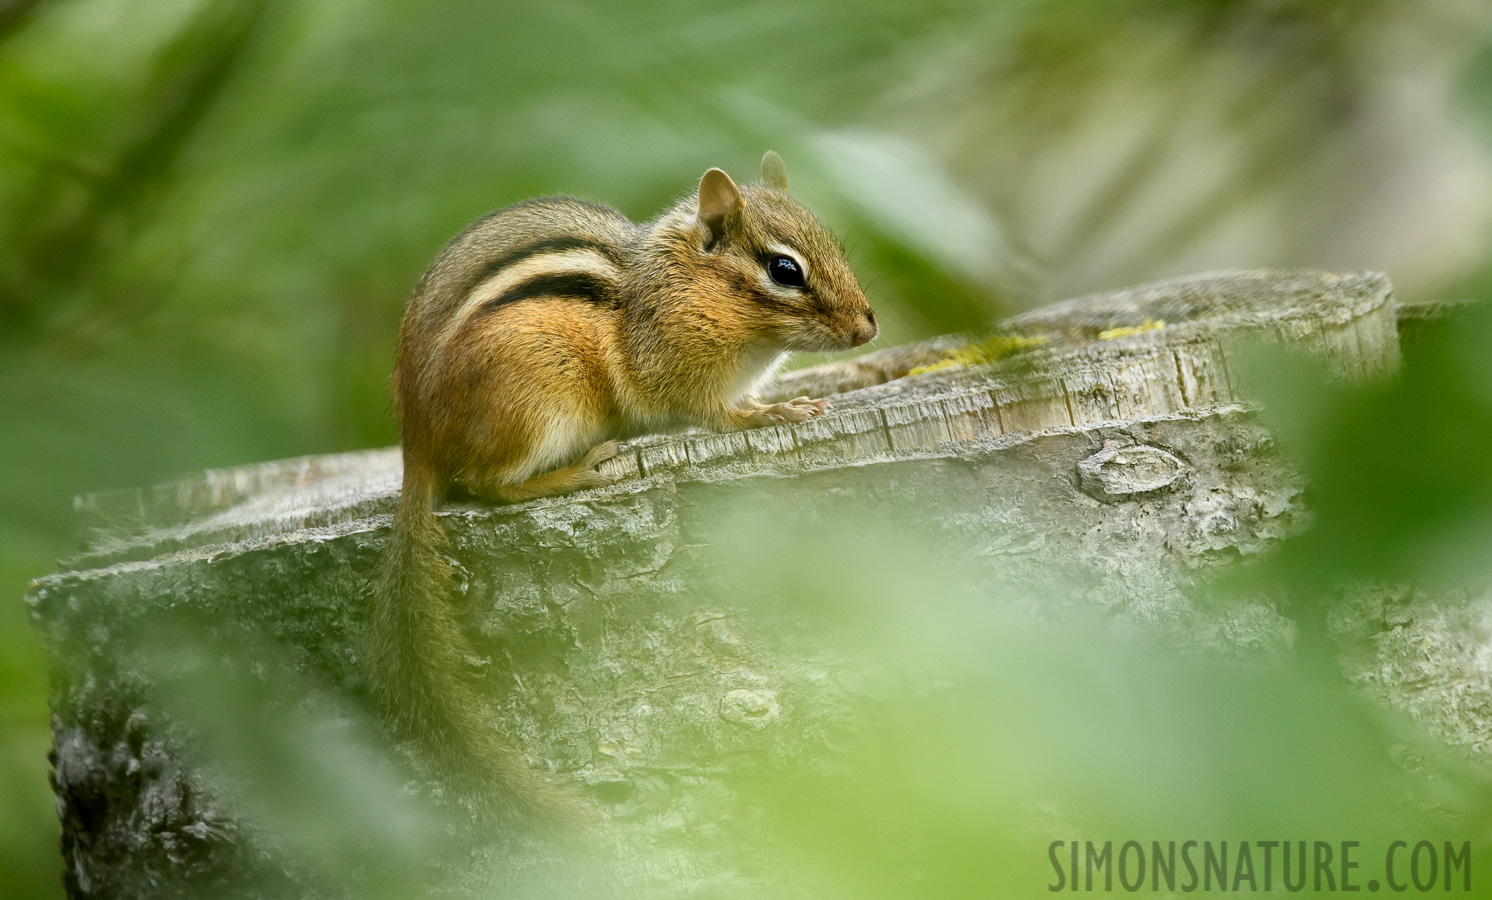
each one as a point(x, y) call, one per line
point(610, 329)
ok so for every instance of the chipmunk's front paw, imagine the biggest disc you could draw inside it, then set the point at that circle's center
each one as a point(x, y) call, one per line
point(800, 409)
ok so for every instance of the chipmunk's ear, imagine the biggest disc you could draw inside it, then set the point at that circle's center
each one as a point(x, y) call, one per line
point(720, 204)
point(774, 172)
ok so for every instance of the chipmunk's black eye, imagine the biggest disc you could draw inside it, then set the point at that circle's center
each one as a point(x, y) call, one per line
point(784, 271)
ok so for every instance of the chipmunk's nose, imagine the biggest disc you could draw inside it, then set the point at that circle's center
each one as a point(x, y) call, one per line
point(865, 329)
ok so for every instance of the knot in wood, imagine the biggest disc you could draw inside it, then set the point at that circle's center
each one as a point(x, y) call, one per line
point(750, 708)
point(1118, 473)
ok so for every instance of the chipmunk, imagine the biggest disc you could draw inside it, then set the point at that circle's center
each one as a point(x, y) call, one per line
point(539, 335)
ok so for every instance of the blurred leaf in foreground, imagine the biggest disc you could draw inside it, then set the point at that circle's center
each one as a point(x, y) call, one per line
point(1399, 471)
point(1011, 733)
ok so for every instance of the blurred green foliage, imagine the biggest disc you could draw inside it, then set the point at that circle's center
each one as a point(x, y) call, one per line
point(211, 211)
point(1398, 471)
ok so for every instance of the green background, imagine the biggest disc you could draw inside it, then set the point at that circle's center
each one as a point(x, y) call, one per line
point(211, 212)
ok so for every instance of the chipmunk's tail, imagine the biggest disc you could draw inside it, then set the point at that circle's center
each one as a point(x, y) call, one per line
point(420, 678)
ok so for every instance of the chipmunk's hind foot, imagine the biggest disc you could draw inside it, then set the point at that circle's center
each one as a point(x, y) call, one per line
point(580, 476)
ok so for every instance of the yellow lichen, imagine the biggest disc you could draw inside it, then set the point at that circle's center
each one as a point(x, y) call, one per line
point(1148, 325)
point(949, 363)
point(980, 353)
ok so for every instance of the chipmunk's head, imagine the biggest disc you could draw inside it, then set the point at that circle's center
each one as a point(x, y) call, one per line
point(789, 272)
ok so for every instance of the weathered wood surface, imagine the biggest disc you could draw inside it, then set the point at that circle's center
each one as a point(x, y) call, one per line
point(1072, 379)
point(616, 648)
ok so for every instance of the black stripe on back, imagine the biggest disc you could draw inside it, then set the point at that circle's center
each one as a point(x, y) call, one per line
point(576, 285)
point(548, 245)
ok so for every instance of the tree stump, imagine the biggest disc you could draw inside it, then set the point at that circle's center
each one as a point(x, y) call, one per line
point(1104, 439)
